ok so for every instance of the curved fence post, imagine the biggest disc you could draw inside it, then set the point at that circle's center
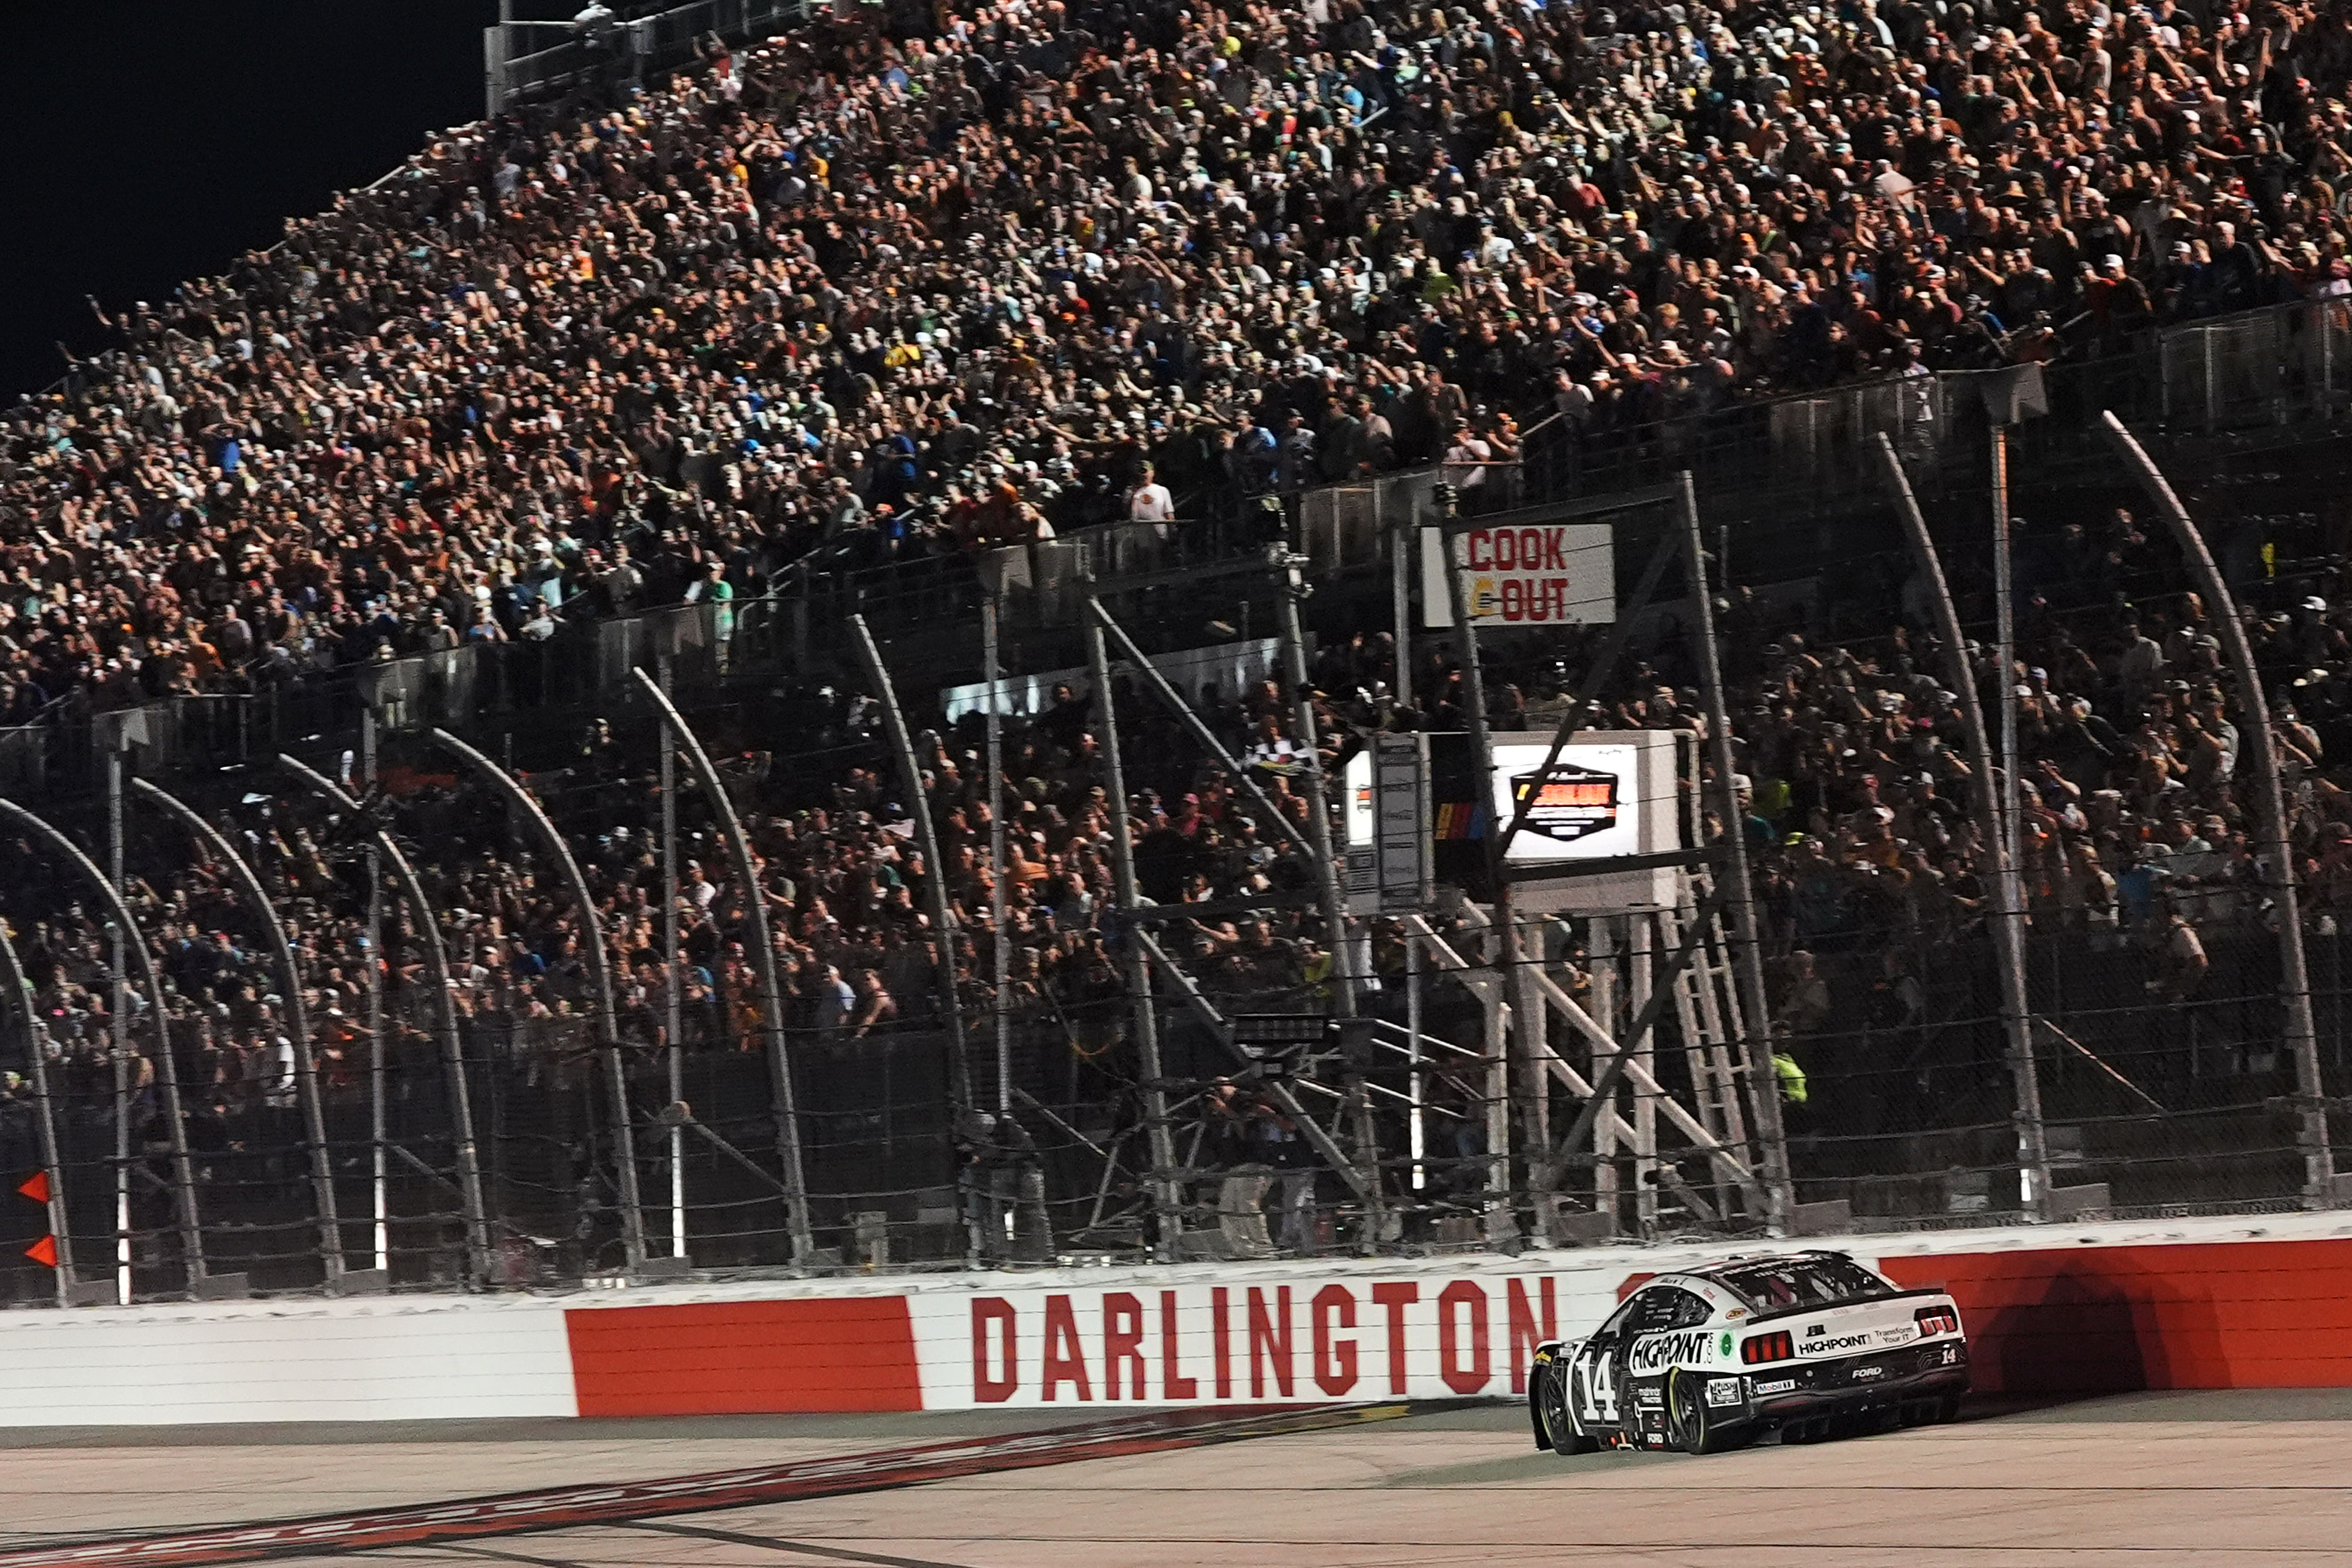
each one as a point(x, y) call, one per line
point(2009, 899)
point(942, 915)
point(592, 941)
point(2260, 746)
point(453, 1056)
point(298, 1026)
point(12, 976)
point(167, 1071)
point(772, 993)
point(927, 839)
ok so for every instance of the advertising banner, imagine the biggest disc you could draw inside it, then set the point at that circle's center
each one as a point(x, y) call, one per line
point(1543, 574)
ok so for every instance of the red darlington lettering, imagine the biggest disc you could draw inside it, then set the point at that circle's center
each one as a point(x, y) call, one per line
point(1334, 1307)
point(986, 1388)
point(1462, 1376)
point(1272, 1339)
point(1526, 1334)
point(1122, 1342)
point(1396, 1296)
point(1221, 1342)
point(1173, 1383)
point(1066, 1358)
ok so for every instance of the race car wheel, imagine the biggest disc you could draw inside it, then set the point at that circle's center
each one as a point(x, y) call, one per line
point(1688, 1424)
point(1552, 1407)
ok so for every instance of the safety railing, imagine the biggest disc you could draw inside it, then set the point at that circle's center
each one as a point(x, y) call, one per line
point(624, 51)
point(2285, 369)
point(1812, 444)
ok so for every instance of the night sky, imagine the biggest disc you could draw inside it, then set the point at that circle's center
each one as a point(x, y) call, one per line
point(146, 143)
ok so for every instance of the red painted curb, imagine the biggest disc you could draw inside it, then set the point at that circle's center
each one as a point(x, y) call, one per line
point(562, 1508)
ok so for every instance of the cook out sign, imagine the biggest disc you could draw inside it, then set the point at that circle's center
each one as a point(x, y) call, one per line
point(1358, 1338)
point(1543, 574)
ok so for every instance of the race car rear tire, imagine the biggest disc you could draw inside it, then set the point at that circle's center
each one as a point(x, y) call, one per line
point(1689, 1425)
point(1550, 1393)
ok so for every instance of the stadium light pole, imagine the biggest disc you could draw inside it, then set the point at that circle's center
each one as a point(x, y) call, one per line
point(772, 991)
point(591, 942)
point(298, 1023)
point(437, 966)
point(2276, 862)
point(2009, 901)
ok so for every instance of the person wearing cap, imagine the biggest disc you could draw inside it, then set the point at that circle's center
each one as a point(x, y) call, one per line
point(2118, 303)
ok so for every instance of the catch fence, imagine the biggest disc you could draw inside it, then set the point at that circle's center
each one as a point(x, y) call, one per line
point(2167, 1091)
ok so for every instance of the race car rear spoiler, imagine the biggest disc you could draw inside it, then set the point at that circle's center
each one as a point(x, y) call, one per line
point(1851, 1301)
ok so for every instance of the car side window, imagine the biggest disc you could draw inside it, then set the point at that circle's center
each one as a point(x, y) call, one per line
point(1690, 1311)
point(1621, 1321)
point(1666, 1307)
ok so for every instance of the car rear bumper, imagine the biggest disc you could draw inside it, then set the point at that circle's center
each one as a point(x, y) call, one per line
point(1867, 1382)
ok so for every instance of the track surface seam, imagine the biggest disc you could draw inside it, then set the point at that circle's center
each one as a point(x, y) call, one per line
point(561, 1508)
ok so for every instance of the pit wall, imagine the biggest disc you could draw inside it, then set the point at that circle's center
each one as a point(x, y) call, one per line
point(2204, 1303)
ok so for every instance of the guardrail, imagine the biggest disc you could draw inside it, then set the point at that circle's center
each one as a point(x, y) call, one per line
point(623, 53)
point(2285, 369)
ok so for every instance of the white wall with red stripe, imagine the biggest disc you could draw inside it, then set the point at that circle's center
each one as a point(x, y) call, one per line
point(2208, 1304)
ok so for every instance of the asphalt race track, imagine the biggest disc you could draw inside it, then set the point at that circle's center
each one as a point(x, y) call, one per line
point(2152, 1479)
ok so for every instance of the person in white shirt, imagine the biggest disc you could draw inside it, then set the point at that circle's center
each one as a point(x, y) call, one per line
point(1466, 455)
point(1149, 501)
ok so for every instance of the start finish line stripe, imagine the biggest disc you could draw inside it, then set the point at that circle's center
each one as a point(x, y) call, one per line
point(562, 1508)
